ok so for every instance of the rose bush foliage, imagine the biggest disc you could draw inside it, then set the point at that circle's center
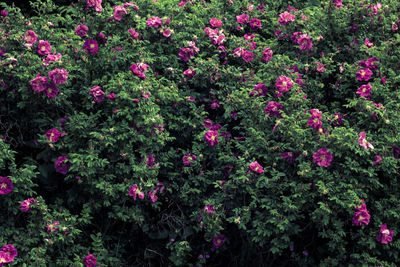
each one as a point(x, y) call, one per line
point(200, 132)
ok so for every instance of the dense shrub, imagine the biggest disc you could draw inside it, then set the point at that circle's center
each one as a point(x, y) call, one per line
point(200, 133)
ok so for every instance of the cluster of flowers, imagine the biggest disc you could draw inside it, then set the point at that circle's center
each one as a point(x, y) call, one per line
point(134, 192)
point(7, 254)
point(244, 18)
point(138, 69)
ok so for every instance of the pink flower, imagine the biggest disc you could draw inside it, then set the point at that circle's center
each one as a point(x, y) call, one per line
point(52, 227)
point(6, 185)
point(138, 69)
point(365, 91)
point(363, 141)
point(242, 19)
point(304, 41)
point(188, 159)
point(368, 43)
point(218, 240)
point(39, 84)
point(323, 158)
point(58, 76)
point(91, 45)
point(267, 55)
point(273, 109)
point(7, 254)
point(62, 165)
point(285, 18)
point(338, 3)
point(364, 74)
point(211, 137)
point(81, 30)
point(385, 235)
point(44, 48)
point(118, 12)
point(89, 261)
point(256, 167)
point(134, 34)
point(216, 23)
point(150, 161)
point(167, 33)
point(154, 22)
point(377, 159)
point(111, 96)
point(134, 191)
point(260, 89)
point(320, 67)
point(247, 55)
point(51, 91)
point(97, 93)
point(30, 37)
point(53, 135)
point(371, 63)
point(361, 216)
point(189, 73)
point(185, 54)
point(315, 120)
point(283, 84)
point(26, 204)
point(152, 196)
point(255, 23)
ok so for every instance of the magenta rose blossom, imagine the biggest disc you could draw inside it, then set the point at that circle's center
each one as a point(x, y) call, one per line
point(30, 37)
point(53, 135)
point(322, 157)
point(89, 261)
point(39, 84)
point(315, 120)
point(364, 74)
point(62, 165)
point(91, 45)
point(385, 235)
point(304, 41)
point(7, 254)
point(51, 91)
point(273, 109)
point(97, 93)
point(119, 11)
point(256, 167)
point(267, 55)
point(242, 19)
point(285, 18)
point(26, 204)
point(154, 22)
point(58, 76)
point(260, 89)
point(134, 191)
point(6, 185)
point(216, 23)
point(255, 23)
point(362, 141)
point(138, 69)
point(185, 54)
point(134, 34)
point(211, 138)
point(44, 48)
point(361, 217)
point(365, 91)
point(81, 30)
point(188, 159)
point(189, 73)
point(218, 240)
point(283, 84)
point(167, 33)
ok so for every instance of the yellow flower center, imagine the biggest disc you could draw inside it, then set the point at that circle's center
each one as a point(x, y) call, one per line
point(362, 73)
point(28, 38)
point(212, 137)
point(43, 48)
point(190, 158)
point(92, 46)
point(3, 185)
point(323, 157)
point(284, 83)
point(360, 218)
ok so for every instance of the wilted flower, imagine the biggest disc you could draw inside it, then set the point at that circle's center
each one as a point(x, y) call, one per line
point(62, 165)
point(119, 11)
point(385, 235)
point(97, 93)
point(273, 108)
point(218, 240)
point(39, 84)
point(242, 19)
point(267, 55)
point(134, 191)
point(188, 159)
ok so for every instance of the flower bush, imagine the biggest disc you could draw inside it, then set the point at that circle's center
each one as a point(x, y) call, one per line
point(200, 133)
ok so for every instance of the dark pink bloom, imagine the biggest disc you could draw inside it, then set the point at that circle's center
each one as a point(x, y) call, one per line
point(256, 167)
point(119, 11)
point(371, 63)
point(365, 91)
point(322, 157)
point(44, 47)
point(283, 84)
point(295, 36)
point(81, 30)
point(111, 96)
point(91, 45)
point(167, 33)
point(150, 161)
point(361, 217)
point(338, 3)
point(273, 109)
point(304, 41)
point(219, 240)
point(368, 43)
point(152, 196)
point(138, 69)
point(188, 159)
point(58, 76)
point(242, 19)
point(260, 89)
point(211, 137)
point(363, 141)
point(285, 18)
point(51, 58)
point(6, 185)
point(62, 165)
point(53, 135)
point(4, 13)
point(364, 74)
point(255, 23)
point(154, 22)
point(267, 55)
point(247, 55)
point(216, 23)
point(39, 84)
point(337, 119)
point(30, 37)
point(290, 156)
point(97, 93)
point(134, 34)
point(315, 120)
point(134, 191)
point(189, 73)
point(26, 204)
point(385, 235)
point(377, 159)
point(89, 261)
point(215, 104)
point(320, 67)
point(185, 54)
point(7, 254)
point(51, 91)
